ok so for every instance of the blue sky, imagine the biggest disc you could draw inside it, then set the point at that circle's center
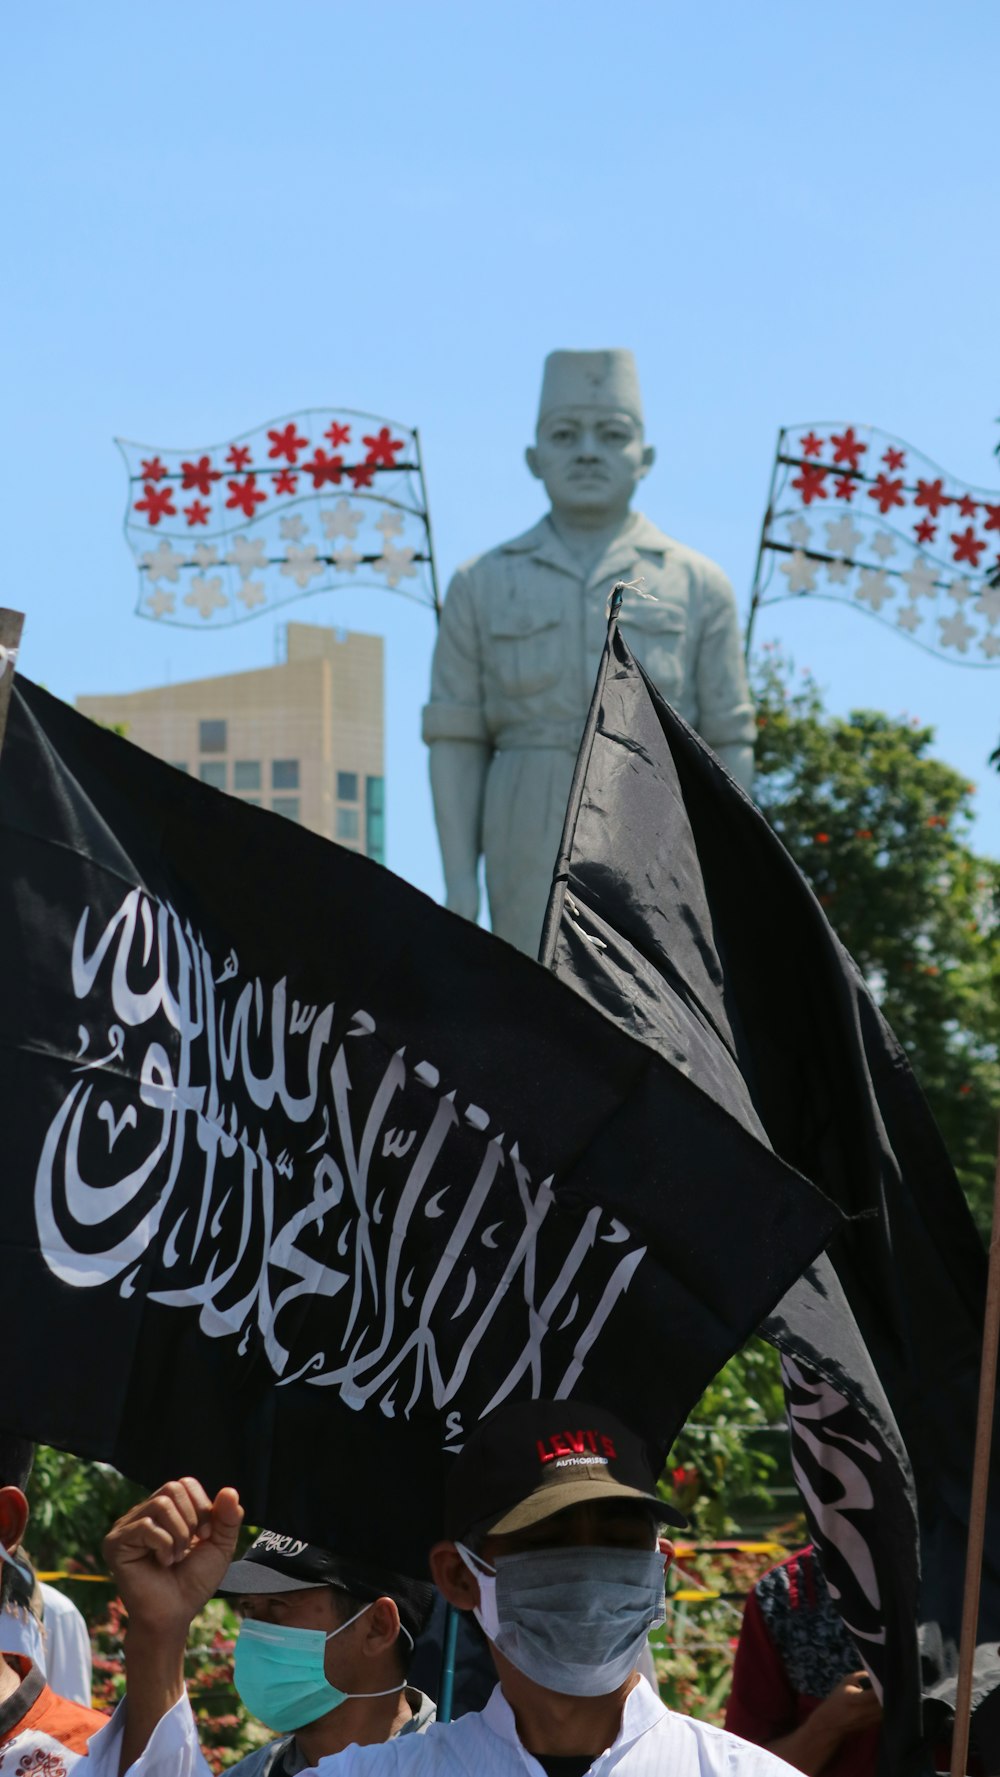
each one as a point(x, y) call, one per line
point(217, 214)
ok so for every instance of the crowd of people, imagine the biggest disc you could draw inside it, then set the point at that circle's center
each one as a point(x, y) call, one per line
point(560, 1562)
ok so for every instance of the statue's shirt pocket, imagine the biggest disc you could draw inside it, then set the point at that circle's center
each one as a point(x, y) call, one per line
point(526, 645)
point(656, 634)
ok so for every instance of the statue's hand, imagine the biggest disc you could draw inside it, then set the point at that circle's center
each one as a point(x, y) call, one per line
point(463, 896)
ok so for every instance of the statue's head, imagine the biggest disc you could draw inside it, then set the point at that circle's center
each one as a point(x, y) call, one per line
point(589, 447)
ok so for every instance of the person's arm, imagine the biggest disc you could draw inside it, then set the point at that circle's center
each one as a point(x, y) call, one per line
point(458, 785)
point(168, 1556)
point(454, 727)
point(850, 1709)
point(726, 717)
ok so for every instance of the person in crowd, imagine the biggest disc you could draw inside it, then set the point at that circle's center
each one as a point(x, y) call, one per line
point(799, 1686)
point(40, 1731)
point(551, 1521)
point(40, 1621)
point(324, 1645)
point(283, 1586)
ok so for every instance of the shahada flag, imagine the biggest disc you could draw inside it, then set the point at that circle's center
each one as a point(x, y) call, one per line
point(302, 1174)
point(317, 500)
point(860, 517)
point(677, 911)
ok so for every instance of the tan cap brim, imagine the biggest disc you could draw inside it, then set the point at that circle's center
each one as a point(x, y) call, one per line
point(558, 1495)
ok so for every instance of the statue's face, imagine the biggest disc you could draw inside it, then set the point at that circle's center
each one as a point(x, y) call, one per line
point(591, 459)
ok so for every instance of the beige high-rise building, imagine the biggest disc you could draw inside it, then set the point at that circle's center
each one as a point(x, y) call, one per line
point(305, 738)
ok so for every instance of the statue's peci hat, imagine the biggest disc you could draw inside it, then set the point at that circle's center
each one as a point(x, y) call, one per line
point(591, 379)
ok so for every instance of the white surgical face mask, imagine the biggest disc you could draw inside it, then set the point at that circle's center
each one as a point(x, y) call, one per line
point(572, 1619)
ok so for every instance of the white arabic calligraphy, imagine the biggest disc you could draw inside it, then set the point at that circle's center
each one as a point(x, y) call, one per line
point(212, 1075)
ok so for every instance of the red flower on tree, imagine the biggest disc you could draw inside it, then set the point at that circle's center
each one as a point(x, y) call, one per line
point(157, 503)
point(153, 470)
point(362, 474)
point(200, 475)
point(992, 517)
point(887, 492)
point(968, 547)
point(893, 459)
point(382, 449)
point(809, 482)
point(325, 468)
point(286, 443)
point(245, 495)
point(338, 434)
point(925, 532)
point(932, 495)
point(811, 445)
point(284, 481)
point(845, 487)
point(967, 506)
point(239, 456)
point(847, 448)
point(196, 513)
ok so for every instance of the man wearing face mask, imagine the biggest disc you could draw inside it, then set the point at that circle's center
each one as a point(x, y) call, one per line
point(324, 1645)
point(552, 1518)
point(297, 1601)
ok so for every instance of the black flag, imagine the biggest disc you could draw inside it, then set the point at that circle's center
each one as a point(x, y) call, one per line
point(301, 1174)
point(676, 911)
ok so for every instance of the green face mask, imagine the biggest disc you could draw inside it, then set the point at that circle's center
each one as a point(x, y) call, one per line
point(279, 1674)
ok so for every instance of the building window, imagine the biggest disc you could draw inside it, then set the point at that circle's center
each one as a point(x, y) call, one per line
point(288, 806)
point(285, 774)
point(246, 774)
point(213, 771)
point(179, 764)
point(375, 818)
point(347, 786)
point(211, 737)
point(348, 824)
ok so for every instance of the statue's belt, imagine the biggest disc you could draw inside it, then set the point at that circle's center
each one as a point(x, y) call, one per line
point(561, 737)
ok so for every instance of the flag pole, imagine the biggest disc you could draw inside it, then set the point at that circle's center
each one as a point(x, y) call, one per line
point(11, 625)
point(755, 589)
point(980, 1493)
point(560, 875)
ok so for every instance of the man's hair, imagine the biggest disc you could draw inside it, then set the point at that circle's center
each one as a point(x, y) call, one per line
point(16, 1457)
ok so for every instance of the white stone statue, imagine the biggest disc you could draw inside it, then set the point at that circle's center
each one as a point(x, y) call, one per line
point(521, 636)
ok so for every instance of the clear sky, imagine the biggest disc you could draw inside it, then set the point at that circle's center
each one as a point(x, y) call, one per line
point(218, 213)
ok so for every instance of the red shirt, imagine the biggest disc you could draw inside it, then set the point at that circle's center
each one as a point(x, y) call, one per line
point(765, 1704)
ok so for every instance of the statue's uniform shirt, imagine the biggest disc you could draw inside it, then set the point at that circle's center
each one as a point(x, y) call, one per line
point(521, 637)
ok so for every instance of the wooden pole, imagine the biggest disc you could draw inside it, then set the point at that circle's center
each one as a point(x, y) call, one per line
point(980, 1492)
point(11, 625)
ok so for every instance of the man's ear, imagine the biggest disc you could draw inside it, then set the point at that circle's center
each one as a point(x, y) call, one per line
point(452, 1578)
point(648, 459)
point(531, 458)
point(13, 1517)
point(666, 1548)
point(382, 1627)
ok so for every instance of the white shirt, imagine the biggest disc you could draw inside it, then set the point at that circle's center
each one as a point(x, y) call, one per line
point(68, 1656)
point(652, 1742)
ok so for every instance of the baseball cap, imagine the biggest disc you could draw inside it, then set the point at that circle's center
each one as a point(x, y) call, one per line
point(276, 1563)
point(530, 1459)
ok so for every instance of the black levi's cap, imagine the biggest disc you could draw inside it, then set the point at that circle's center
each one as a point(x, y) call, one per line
point(530, 1459)
point(275, 1563)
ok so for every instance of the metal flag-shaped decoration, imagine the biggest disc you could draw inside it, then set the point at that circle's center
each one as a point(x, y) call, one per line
point(314, 501)
point(860, 517)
